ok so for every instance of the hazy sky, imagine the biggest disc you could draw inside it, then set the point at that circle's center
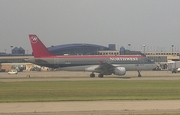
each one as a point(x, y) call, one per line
point(154, 23)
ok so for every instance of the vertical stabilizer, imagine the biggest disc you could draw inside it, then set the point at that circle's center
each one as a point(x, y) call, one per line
point(39, 49)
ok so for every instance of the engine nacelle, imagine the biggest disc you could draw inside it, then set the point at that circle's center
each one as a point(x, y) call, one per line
point(119, 71)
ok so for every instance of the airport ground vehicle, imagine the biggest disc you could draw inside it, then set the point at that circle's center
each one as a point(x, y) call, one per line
point(13, 71)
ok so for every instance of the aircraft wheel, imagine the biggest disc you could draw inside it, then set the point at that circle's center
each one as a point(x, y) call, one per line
point(92, 75)
point(100, 75)
point(139, 74)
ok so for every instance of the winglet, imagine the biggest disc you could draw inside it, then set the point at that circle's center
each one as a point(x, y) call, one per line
point(39, 49)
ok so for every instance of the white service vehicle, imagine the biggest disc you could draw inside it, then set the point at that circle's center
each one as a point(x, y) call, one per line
point(13, 71)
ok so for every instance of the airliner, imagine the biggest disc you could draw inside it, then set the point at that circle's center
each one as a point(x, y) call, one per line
point(102, 64)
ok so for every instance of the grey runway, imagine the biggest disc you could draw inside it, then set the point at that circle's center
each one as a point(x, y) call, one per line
point(92, 107)
point(76, 76)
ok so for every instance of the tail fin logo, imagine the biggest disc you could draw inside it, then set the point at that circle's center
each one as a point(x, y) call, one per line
point(34, 39)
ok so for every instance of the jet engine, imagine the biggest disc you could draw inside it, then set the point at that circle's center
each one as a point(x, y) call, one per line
point(119, 71)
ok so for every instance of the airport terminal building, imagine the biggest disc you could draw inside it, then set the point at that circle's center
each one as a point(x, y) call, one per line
point(77, 49)
point(86, 49)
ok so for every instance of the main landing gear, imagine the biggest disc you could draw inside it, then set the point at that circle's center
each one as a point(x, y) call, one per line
point(100, 75)
point(92, 75)
point(139, 74)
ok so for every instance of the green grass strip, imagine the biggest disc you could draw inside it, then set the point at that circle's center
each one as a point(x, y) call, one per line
point(88, 90)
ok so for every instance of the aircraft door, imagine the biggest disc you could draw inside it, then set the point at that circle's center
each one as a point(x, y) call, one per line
point(56, 62)
point(140, 64)
point(141, 61)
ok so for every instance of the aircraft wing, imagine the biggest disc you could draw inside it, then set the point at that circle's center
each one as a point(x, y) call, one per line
point(104, 68)
point(107, 69)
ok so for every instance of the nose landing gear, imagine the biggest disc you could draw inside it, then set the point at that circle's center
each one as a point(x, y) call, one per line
point(139, 73)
